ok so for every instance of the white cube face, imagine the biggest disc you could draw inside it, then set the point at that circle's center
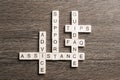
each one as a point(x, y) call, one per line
point(68, 28)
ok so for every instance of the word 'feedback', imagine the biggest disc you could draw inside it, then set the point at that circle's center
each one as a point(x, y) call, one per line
point(74, 42)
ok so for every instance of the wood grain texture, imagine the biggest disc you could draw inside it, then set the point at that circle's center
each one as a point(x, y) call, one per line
point(21, 20)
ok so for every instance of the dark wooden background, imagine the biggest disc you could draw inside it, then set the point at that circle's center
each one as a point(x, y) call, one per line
point(21, 20)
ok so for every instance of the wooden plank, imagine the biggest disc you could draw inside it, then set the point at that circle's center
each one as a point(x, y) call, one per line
point(21, 20)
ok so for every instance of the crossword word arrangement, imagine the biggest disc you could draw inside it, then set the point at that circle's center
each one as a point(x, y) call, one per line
point(74, 56)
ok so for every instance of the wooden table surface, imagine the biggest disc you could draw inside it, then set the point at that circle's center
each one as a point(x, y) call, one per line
point(21, 20)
